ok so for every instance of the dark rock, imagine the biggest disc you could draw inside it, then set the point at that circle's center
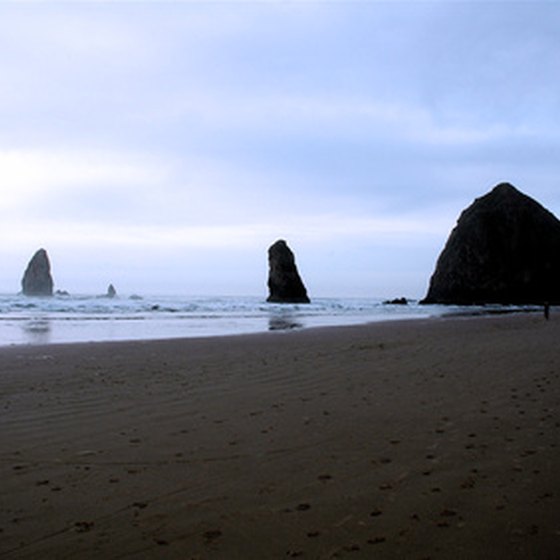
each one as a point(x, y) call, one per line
point(111, 292)
point(284, 282)
point(505, 249)
point(62, 293)
point(37, 279)
point(396, 301)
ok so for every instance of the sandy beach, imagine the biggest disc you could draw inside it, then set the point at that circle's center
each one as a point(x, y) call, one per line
point(428, 439)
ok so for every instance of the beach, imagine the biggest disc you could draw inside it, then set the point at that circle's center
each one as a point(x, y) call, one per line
point(425, 439)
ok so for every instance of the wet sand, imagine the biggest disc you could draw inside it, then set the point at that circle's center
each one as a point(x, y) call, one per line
point(431, 439)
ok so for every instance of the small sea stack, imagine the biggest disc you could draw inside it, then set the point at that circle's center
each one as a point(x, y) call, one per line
point(284, 282)
point(111, 292)
point(37, 279)
point(396, 301)
point(505, 249)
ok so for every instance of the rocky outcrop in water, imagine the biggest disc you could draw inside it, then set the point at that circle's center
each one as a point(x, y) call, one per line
point(504, 249)
point(37, 279)
point(396, 301)
point(111, 292)
point(284, 282)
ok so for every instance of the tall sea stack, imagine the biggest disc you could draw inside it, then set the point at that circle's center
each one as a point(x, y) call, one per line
point(284, 282)
point(37, 279)
point(504, 249)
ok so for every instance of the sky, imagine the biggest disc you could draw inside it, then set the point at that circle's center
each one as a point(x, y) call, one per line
point(164, 146)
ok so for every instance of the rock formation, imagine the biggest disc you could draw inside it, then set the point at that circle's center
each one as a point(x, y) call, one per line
point(37, 279)
point(396, 301)
point(284, 282)
point(111, 292)
point(504, 249)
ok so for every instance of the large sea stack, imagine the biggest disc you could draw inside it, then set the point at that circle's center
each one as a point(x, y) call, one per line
point(284, 282)
point(504, 249)
point(37, 279)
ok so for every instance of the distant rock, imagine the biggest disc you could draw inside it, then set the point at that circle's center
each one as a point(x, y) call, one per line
point(37, 279)
point(111, 292)
point(62, 293)
point(284, 282)
point(505, 249)
point(396, 301)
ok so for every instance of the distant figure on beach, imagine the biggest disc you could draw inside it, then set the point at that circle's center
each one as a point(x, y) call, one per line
point(546, 310)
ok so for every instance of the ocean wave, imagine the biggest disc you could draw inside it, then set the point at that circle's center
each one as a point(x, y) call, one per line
point(76, 318)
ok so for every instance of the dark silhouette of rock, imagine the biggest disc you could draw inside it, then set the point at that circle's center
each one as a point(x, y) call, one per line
point(37, 279)
point(284, 282)
point(504, 249)
point(111, 292)
point(396, 301)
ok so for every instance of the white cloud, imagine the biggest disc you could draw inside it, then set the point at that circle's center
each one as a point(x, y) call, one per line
point(333, 116)
point(308, 229)
point(48, 174)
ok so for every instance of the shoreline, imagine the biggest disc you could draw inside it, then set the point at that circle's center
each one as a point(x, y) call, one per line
point(83, 319)
point(464, 314)
point(426, 438)
point(235, 336)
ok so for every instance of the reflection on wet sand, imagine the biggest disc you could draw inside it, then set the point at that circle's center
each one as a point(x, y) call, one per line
point(283, 322)
point(37, 330)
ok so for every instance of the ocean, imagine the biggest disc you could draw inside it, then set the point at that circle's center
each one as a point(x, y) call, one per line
point(84, 318)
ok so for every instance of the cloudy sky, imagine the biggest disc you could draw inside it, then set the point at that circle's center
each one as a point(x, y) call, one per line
point(163, 146)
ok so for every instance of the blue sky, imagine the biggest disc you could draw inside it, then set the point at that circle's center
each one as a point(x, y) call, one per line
point(163, 146)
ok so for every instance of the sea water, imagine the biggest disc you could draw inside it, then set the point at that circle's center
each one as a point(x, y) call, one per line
point(83, 318)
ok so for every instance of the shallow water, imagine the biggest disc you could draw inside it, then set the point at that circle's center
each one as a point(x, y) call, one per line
point(84, 318)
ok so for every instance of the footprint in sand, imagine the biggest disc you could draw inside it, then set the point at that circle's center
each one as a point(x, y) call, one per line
point(468, 483)
point(448, 513)
point(83, 526)
point(313, 534)
point(210, 536)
